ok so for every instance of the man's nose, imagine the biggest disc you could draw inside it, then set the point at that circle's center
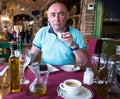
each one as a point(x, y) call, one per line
point(57, 17)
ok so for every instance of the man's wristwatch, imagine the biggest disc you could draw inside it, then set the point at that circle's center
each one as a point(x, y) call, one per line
point(74, 48)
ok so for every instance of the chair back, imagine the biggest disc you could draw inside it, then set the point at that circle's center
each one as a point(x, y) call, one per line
point(4, 50)
point(94, 46)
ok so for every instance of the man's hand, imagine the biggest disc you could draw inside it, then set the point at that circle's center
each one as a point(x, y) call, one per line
point(67, 37)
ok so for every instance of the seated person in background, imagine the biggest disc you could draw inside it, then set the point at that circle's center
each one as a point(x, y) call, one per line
point(3, 37)
point(9, 34)
point(67, 50)
point(10, 37)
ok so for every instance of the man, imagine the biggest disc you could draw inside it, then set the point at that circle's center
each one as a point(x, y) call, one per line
point(55, 51)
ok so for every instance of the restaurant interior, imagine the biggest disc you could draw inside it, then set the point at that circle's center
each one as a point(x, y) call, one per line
point(98, 21)
point(94, 18)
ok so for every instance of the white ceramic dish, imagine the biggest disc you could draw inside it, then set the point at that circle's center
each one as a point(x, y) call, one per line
point(3, 70)
point(49, 66)
point(70, 68)
point(84, 94)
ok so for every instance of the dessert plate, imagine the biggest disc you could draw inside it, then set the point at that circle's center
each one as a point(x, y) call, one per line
point(70, 68)
point(54, 69)
point(84, 94)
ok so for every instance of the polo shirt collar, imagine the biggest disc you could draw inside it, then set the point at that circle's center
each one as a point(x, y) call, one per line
point(52, 31)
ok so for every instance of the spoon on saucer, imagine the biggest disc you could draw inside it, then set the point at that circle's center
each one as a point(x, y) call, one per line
point(74, 67)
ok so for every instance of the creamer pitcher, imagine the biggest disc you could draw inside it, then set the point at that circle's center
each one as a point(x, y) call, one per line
point(39, 86)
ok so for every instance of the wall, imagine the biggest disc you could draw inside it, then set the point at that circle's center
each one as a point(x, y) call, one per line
point(87, 19)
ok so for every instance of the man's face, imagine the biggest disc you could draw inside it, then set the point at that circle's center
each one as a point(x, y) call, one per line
point(57, 16)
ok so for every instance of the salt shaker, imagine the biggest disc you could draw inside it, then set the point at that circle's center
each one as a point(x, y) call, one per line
point(88, 76)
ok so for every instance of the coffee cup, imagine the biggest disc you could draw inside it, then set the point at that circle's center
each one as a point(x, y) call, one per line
point(71, 86)
point(60, 35)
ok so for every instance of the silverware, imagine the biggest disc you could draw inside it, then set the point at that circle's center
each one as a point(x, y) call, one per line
point(74, 67)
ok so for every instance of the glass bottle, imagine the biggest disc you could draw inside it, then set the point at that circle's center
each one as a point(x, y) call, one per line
point(20, 43)
point(88, 76)
point(113, 65)
point(14, 64)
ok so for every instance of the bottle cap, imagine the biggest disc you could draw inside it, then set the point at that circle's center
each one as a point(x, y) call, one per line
point(88, 68)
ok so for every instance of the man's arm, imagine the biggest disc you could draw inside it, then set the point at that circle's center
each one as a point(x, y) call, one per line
point(80, 54)
point(34, 52)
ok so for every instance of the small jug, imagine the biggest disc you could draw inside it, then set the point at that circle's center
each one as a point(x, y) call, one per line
point(39, 86)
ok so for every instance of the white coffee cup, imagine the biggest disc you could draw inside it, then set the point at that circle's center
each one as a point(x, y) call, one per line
point(71, 86)
point(60, 35)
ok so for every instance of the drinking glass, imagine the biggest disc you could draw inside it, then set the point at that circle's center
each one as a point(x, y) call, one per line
point(4, 84)
point(99, 61)
point(118, 73)
point(25, 58)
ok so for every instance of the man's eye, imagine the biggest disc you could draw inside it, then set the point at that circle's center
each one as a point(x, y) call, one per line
point(62, 14)
point(53, 15)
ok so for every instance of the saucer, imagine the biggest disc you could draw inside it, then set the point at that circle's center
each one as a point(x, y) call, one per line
point(84, 94)
point(70, 68)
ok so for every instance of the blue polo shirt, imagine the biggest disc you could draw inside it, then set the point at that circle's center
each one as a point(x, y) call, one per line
point(55, 51)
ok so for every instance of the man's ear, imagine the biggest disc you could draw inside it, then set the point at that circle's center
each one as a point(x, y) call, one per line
point(46, 12)
point(68, 15)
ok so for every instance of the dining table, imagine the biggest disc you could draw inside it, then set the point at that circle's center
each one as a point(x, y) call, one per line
point(53, 81)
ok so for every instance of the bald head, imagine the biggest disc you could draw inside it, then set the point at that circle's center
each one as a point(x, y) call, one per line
point(58, 16)
point(58, 3)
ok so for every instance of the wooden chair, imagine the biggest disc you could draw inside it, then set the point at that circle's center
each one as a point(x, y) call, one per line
point(94, 46)
point(4, 49)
